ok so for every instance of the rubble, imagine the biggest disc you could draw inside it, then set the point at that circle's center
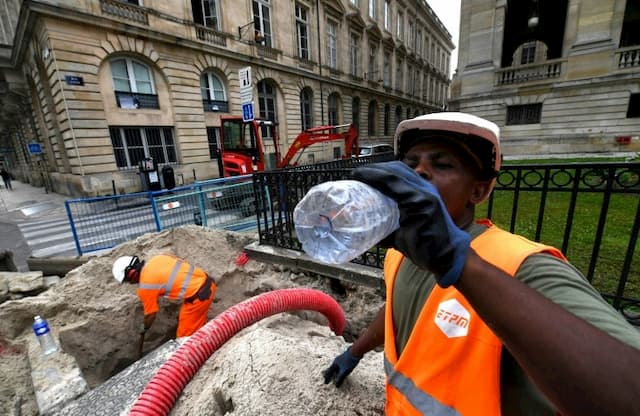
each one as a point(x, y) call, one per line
point(272, 367)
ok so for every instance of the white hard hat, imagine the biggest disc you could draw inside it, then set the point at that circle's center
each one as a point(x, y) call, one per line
point(119, 266)
point(471, 127)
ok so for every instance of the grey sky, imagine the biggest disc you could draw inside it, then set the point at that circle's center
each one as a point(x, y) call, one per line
point(449, 13)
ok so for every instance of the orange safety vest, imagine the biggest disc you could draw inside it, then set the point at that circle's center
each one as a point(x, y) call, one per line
point(451, 362)
point(168, 276)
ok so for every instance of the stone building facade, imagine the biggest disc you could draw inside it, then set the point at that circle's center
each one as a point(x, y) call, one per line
point(98, 85)
point(558, 76)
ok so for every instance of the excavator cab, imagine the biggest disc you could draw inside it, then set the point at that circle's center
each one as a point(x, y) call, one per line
point(243, 148)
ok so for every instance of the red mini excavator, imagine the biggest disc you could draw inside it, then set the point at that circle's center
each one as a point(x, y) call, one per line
point(245, 144)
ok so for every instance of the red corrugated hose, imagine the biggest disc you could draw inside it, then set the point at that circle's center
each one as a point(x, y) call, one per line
point(162, 391)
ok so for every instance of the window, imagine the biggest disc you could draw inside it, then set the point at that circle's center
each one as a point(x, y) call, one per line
point(306, 108)
point(399, 75)
point(131, 76)
point(302, 31)
point(355, 2)
point(387, 118)
point(386, 69)
point(419, 42)
point(524, 114)
point(213, 138)
point(400, 26)
point(214, 97)
point(425, 86)
point(373, 63)
point(372, 116)
point(398, 115)
point(372, 9)
point(355, 54)
point(409, 79)
point(355, 112)
point(634, 106)
point(337, 152)
point(387, 15)
point(333, 109)
point(528, 53)
point(332, 44)
point(132, 144)
point(267, 103)
point(412, 35)
point(133, 84)
point(262, 20)
point(206, 13)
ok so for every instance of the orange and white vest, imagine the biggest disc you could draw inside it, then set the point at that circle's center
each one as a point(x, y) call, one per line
point(451, 362)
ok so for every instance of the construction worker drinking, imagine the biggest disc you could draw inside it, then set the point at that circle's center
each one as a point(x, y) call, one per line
point(479, 321)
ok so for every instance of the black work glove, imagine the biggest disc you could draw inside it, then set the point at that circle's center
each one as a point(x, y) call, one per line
point(427, 234)
point(341, 367)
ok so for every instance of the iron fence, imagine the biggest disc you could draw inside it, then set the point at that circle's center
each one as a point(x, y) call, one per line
point(589, 211)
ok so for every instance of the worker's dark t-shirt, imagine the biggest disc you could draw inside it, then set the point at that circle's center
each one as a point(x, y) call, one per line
point(554, 279)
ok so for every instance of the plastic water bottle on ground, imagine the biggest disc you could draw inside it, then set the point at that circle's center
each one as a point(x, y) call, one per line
point(339, 220)
point(43, 333)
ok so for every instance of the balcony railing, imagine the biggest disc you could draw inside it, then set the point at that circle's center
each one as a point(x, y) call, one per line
point(125, 11)
point(134, 100)
point(215, 106)
point(211, 36)
point(532, 72)
point(268, 52)
point(628, 57)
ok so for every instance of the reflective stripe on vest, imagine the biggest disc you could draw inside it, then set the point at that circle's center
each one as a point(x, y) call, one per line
point(424, 403)
point(170, 281)
point(452, 359)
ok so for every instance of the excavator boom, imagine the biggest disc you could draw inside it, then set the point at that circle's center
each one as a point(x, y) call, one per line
point(322, 134)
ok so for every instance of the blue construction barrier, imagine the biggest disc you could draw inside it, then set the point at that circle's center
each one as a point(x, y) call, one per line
point(104, 222)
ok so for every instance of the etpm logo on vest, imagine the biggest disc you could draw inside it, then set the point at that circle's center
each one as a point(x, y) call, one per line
point(453, 319)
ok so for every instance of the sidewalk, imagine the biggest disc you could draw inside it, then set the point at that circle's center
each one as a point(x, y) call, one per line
point(24, 202)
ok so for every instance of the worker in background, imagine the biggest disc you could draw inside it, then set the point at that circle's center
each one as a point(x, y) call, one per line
point(175, 279)
point(479, 321)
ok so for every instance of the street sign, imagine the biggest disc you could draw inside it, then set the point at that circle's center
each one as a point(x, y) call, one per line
point(246, 87)
point(247, 112)
point(245, 77)
point(73, 80)
point(34, 148)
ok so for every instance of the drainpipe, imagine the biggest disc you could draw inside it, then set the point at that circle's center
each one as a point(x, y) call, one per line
point(66, 108)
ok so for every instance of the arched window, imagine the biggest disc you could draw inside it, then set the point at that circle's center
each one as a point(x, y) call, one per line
point(355, 112)
point(267, 103)
point(130, 75)
point(372, 116)
point(334, 108)
point(387, 117)
point(306, 108)
point(214, 96)
point(133, 84)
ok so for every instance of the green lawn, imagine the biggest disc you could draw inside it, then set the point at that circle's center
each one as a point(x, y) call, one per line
point(580, 250)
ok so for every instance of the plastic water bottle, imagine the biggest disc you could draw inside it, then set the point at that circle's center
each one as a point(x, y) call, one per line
point(337, 221)
point(43, 333)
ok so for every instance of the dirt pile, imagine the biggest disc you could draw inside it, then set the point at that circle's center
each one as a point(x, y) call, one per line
point(272, 367)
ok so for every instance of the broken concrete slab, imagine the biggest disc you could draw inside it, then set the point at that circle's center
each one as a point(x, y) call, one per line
point(120, 392)
point(56, 378)
point(23, 282)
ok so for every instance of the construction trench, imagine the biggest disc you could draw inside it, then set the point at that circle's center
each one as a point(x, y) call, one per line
point(270, 367)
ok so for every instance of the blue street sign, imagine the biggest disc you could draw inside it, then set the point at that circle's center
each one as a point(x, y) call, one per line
point(73, 80)
point(34, 148)
point(247, 112)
